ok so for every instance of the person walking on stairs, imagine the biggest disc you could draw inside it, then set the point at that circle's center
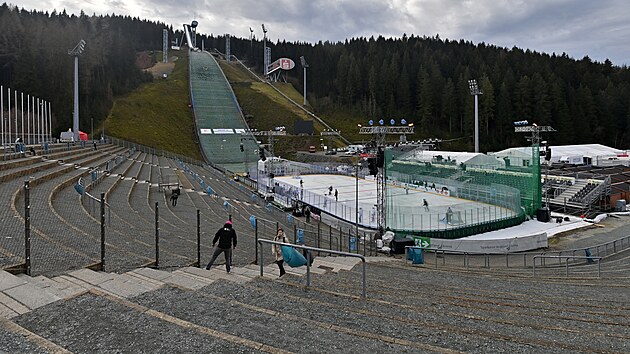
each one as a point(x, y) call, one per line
point(227, 242)
point(276, 250)
point(174, 195)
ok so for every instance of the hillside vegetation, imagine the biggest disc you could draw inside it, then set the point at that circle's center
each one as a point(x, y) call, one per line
point(265, 109)
point(426, 81)
point(157, 114)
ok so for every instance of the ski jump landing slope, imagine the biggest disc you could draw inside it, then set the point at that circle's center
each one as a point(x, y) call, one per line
point(220, 123)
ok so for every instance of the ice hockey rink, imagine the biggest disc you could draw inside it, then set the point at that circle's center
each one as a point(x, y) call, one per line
point(409, 213)
point(405, 204)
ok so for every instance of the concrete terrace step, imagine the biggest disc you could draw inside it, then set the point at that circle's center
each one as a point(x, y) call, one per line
point(62, 290)
point(182, 281)
point(20, 296)
point(214, 273)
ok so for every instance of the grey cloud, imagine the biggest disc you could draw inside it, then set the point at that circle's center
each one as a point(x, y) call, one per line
point(599, 29)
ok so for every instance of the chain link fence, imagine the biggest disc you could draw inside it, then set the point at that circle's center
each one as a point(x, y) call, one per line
point(122, 206)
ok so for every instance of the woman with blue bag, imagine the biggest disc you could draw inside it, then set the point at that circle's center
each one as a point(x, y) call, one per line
point(276, 250)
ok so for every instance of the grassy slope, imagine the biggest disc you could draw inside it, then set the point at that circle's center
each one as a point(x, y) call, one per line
point(269, 109)
point(157, 114)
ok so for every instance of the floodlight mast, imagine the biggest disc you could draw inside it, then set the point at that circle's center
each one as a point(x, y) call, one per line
point(265, 62)
point(378, 136)
point(251, 43)
point(75, 52)
point(304, 65)
point(535, 129)
point(475, 91)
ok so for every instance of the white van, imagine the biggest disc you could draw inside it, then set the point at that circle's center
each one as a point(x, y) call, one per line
point(355, 149)
point(66, 137)
point(572, 160)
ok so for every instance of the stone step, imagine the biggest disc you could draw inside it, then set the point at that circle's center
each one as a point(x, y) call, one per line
point(345, 262)
point(71, 281)
point(126, 286)
point(8, 281)
point(215, 274)
point(63, 290)
point(268, 270)
point(207, 280)
point(9, 307)
point(178, 280)
point(333, 267)
point(146, 279)
point(19, 295)
point(31, 295)
point(92, 277)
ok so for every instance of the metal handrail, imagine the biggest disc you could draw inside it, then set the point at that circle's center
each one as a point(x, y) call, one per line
point(617, 245)
point(588, 258)
point(308, 262)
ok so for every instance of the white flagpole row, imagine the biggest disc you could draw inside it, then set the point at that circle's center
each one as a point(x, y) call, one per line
point(9, 116)
point(2, 112)
point(50, 123)
point(38, 115)
point(15, 108)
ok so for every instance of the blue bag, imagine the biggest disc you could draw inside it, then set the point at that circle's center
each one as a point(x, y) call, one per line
point(415, 256)
point(292, 257)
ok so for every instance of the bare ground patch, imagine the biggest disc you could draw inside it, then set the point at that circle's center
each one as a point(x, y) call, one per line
point(160, 68)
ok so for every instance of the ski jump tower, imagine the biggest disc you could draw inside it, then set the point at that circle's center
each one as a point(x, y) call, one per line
point(190, 33)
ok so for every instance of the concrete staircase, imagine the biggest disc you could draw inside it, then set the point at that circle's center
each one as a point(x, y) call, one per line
point(408, 309)
point(20, 294)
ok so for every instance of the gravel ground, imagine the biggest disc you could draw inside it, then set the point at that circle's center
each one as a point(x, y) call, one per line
point(16, 343)
point(92, 324)
point(361, 316)
point(614, 227)
point(570, 309)
point(260, 327)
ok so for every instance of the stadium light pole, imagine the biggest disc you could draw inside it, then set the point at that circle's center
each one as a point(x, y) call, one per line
point(251, 44)
point(264, 49)
point(75, 52)
point(304, 65)
point(475, 91)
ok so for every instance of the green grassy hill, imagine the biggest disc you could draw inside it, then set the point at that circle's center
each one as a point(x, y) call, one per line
point(265, 109)
point(157, 114)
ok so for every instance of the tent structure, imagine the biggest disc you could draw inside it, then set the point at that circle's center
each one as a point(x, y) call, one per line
point(584, 154)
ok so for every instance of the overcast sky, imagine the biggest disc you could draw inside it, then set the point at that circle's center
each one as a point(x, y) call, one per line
point(597, 28)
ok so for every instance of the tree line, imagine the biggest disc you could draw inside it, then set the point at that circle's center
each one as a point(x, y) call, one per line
point(34, 59)
point(425, 81)
point(422, 79)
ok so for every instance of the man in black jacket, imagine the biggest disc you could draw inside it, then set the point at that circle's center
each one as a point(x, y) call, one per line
point(227, 241)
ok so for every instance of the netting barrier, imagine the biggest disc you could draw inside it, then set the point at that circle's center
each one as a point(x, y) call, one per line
point(441, 197)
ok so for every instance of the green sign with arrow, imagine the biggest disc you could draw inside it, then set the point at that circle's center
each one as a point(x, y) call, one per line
point(424, 242)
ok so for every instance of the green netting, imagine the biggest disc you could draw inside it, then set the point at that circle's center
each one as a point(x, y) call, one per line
point(215, 107)
point(463, 199)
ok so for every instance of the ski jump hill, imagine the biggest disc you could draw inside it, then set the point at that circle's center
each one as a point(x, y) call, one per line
point(221, 127)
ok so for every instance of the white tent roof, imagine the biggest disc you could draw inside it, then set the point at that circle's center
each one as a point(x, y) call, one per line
point(585, 150)
point(428, 155)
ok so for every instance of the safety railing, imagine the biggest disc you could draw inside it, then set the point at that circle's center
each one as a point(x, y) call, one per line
point(589, 260)
point(511, 260)
point(308, 257)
